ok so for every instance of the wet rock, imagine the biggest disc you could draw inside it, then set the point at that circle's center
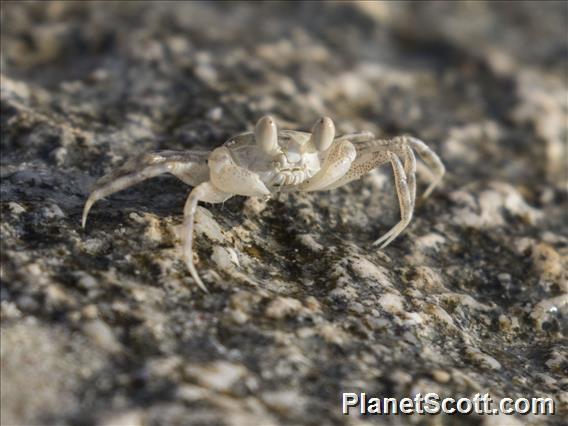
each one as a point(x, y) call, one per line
point(47, 362)
point(104, 325)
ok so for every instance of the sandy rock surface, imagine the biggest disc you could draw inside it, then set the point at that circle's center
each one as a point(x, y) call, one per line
point(105, 325)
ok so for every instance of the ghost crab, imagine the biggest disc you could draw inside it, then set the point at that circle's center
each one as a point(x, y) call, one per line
point(269, 161)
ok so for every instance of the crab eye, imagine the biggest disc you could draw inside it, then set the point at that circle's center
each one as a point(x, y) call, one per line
point(323, 133)
point(266, 135)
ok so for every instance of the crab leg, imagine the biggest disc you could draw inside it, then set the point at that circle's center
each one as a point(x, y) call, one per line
point(405, 177)
point(404, 200)
point(190, 167)
point(203, 192)
point(410, 171)
point(399, 146)
point(373, 153)
point(431, 160)
point(405, 186)
point(226, 179)
point(356, 137)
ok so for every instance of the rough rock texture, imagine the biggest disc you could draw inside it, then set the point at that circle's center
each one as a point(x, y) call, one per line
point(105, 326)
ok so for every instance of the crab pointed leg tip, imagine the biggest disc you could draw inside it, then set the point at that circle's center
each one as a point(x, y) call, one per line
point(200, 284)
point(382, 242)
point(195, 276)
point(84, 219)
point(88, 204)
point(425, 196)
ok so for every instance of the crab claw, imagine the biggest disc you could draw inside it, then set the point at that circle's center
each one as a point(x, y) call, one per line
point(231, 178)
point(323, 134)
point(266, 135)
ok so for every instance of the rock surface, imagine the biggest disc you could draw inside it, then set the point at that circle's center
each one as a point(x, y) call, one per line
point(105, 326)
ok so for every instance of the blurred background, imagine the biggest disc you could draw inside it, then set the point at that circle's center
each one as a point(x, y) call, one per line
point(105, 327)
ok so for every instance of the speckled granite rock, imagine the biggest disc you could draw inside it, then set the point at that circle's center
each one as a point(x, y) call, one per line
point(105, 326)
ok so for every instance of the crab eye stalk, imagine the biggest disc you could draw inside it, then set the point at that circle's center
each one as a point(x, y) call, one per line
point(323, 133)
point(266, 135)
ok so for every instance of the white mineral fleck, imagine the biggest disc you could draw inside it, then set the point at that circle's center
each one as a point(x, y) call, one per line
point(282, 307)
point(482, 359)
point(217, 375)
point(392, 303)
point(102, 335)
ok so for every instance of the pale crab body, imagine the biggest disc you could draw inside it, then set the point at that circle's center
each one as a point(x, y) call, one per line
point(294, 161)
point(269, 161)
